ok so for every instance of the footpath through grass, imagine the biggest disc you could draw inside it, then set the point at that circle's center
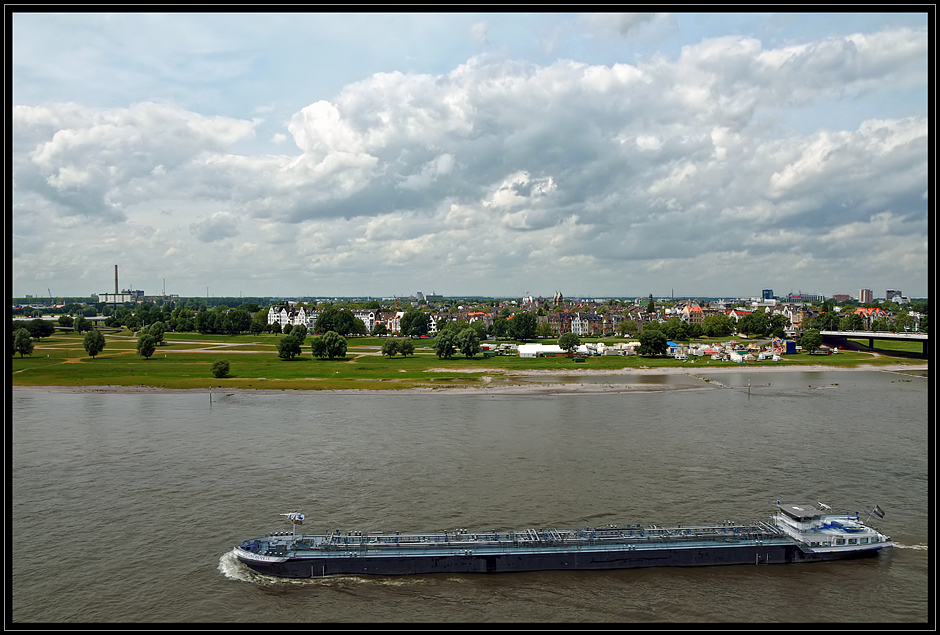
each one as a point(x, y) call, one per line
point(186, 359)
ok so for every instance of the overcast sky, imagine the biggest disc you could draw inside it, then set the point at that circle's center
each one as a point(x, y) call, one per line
point(469, 154)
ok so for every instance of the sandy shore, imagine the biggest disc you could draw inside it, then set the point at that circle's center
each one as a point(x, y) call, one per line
point(502, 383)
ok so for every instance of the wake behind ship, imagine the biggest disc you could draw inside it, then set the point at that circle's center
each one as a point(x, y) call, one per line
point(795, 534)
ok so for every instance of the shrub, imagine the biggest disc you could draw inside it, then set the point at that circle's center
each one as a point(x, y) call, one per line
point(220, 369)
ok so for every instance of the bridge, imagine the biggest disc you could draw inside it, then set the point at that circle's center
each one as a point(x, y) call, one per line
point(871, 336)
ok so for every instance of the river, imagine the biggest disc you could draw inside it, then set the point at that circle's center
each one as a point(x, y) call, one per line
point(126, 506)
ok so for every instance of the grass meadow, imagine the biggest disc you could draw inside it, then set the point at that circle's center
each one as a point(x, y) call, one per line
point(184, 362)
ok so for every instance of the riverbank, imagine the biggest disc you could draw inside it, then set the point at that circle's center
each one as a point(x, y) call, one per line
point(500, 382)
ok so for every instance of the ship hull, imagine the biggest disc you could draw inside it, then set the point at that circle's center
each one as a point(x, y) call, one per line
point(626, 558)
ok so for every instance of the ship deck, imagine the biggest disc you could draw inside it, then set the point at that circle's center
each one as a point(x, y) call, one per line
point(347, 544)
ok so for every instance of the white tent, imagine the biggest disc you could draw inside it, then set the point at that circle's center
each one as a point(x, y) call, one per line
point(534, 350)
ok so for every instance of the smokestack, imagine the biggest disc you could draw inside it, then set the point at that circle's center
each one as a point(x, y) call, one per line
point(115, 280)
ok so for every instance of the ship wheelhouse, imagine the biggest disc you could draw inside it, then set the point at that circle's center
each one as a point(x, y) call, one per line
point(818, 529)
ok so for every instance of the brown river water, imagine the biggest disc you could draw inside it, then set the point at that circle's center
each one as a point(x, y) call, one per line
point(126, 506)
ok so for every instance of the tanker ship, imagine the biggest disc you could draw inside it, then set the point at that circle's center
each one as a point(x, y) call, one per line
point(794, 534)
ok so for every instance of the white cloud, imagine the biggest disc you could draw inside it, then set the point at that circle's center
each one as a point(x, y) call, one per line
point(218, 226)
point(501, 167)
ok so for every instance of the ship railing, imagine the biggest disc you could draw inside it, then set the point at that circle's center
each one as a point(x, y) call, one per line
point(545, 537)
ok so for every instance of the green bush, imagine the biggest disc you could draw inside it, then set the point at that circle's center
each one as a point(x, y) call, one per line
point(220, 369)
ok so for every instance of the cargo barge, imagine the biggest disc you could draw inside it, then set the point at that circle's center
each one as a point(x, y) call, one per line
point(794, 534)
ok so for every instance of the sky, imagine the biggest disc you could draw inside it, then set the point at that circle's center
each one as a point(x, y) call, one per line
point(488, 154)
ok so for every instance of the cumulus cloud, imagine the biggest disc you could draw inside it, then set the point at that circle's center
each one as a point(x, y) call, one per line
point(96, 162)
point(218, 226)
point(586, 165)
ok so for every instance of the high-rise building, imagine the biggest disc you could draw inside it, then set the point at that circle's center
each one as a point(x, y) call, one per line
point(767, 294)
point(864, 296)
point(890, 293)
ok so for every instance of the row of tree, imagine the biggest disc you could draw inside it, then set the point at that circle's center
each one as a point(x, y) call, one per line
point(833, 321)
point(330, 345)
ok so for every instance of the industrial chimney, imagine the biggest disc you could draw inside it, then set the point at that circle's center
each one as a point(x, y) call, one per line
point(115, 280)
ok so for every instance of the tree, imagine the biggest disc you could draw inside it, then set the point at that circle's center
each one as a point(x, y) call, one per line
point(627, 327)
point(776, 325)
point(671, 328)
point(753, 323)
point(156, 331)
point(827, 321)
point(65, 320)
point(380, 329)
point(325, 320)
point(22, 342)
point(652, 342)
point(220, 368)
point(852, 322)
point(390, 347)
point(444, 344)
point(544, 330)
point(811, 340)
point(258, 323)
point(415, 323)
point(318, 346)
point(241, 320)
point(81, 324)
point(93, 342)
point(359, 327)
point(201, 322)
point(718, 325)
point(340, 321)
point(40, 328)
point(653, 325)
point(406, 347)
point(334, 344)
point(468, 342)
point(300, 332)
point(523, 326)
point(902, 322)
point(569, 342)
point(682, 331)
point(288, 347)
point(500, 327)
point(146, 345)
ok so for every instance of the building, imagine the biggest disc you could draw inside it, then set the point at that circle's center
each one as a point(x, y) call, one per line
point(126, 295)
point(870, 315)
point(890, 294)
point(692, 314)
point(541, 350)
point(864, 296)
point(841, 297)
point(587, 324)
point(796, 298)
point(767, 294)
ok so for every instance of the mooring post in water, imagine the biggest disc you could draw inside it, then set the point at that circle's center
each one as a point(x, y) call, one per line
point(210, 396)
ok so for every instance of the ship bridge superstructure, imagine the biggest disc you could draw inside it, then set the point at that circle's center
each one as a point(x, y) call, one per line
point(819, 529)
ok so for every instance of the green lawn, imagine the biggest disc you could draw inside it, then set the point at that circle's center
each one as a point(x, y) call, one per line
point(893, 346)
point(185, 362)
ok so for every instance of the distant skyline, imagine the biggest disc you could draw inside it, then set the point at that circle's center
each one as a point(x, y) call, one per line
point(469, 154)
